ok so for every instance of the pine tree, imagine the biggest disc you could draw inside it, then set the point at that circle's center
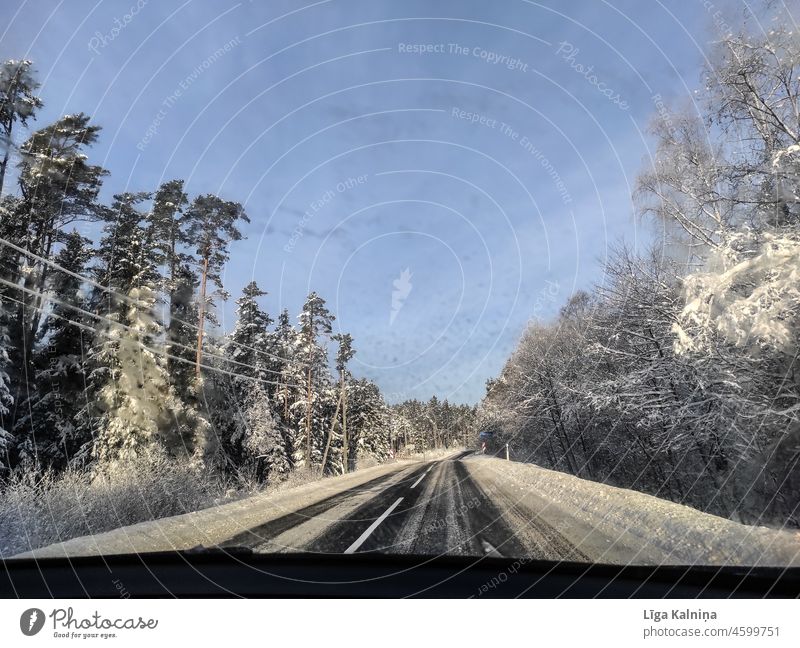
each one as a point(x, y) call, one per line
point(250, 340)
point(166, 235)
point(136, 401)
point(6, 399)
point(182, 334)
point(57, 187)
point(137, 407)
point(344, 354)
point(8, 271)
point(315, 322)
point(166, 230)
point(246, 347)
point(50, 432)
point(369, 422)
point(263, 441)
point(126, 260)
point(289, 373)
point(212, 224)
point(18, 103)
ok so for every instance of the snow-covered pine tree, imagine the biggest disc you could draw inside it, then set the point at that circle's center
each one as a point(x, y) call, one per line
point(211, 223)
point(288, 374)
point(368, 421)
point(247, 347)
point(57, 187)
point(282, 345)
point(263, 442)
point(18, 103)
point(138, 405)
point(49, 433)
point(166, 235)
point(8, 271)
point(333, 458)
point(137, 409)
point(166, 230)
point(181, 336)
point(315, 323)
point(6, 399)
point(249, 341)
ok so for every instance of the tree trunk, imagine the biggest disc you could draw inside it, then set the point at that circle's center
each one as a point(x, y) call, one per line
point(4, 163)
point(308, 408)
point(201, 316)
point(330, 434)
point(345, 442)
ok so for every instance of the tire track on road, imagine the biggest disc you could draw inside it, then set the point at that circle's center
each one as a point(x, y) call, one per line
point(262, 534)
point(342, 534)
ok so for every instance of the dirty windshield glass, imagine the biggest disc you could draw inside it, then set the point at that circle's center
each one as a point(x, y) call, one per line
point(506, 280)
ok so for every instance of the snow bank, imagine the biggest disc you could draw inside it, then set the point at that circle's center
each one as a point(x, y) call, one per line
point(212, 526)
point(621, 526)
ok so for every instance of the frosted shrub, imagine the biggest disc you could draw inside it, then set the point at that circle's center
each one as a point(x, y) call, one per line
point(40, 508)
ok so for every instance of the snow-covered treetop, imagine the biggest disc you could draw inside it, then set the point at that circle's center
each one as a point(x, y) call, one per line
point(748, 296)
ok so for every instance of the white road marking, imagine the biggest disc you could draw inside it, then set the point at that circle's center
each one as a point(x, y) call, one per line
point(491, 550)
point(352, 548)
point(421, 477)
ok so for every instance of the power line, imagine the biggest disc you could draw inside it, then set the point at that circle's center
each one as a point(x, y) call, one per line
point(136, 343)
point(126, 298)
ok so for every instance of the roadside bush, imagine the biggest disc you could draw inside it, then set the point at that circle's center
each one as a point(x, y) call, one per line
point(40, 508)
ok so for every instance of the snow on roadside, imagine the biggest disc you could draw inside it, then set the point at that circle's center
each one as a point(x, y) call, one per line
point(621, 526)
point(212, 526)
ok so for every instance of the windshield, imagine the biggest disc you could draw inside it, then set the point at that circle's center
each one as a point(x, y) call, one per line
point(480, 279)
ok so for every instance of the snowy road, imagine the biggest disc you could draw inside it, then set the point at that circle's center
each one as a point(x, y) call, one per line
point(431, 509)
point(474, 505)
point(463, 504)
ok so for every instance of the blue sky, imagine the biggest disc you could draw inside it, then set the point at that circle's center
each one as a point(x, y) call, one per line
point(464, 142)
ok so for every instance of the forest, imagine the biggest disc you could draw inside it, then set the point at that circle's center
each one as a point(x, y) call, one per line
point(676, 374)
point(115, 376)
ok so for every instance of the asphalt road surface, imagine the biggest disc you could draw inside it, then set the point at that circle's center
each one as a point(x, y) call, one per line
point(431, 508)
point(464, 504)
